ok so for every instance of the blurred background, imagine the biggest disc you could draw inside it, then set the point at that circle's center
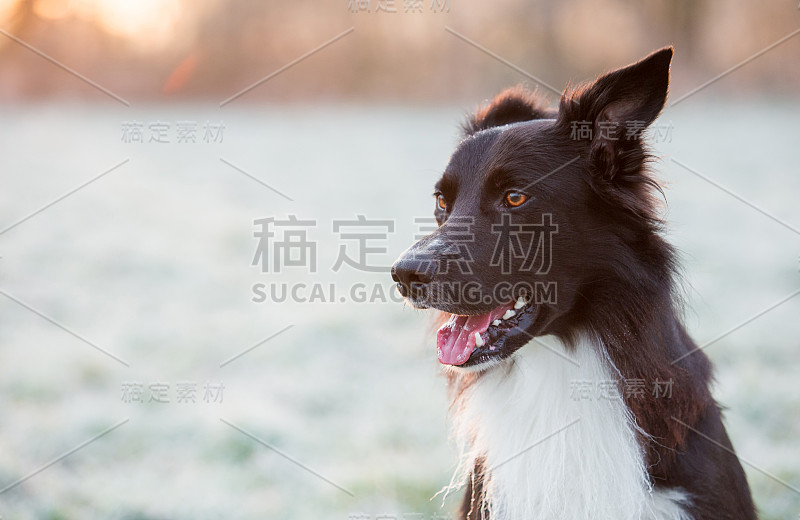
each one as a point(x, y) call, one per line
point(139, 142)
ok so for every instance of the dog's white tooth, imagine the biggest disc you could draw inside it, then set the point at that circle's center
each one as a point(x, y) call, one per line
point(496, 323)
point(509, 313)
point(520, 303)
point(478, 340)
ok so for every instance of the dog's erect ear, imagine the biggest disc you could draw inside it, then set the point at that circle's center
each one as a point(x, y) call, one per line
point(513, 105)
point(613, 111)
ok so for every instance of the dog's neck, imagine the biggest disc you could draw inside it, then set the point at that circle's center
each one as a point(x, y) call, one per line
point(556, 440)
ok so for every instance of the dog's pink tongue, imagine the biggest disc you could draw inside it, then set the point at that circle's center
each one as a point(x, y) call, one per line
point(455, 340)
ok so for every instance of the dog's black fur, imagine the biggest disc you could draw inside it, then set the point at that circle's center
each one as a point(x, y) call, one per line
point(615, 274)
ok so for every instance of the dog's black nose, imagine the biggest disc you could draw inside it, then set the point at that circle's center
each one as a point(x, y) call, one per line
point(412, 275)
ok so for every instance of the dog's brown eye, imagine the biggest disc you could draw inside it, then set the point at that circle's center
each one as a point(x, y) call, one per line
point(440, 202)
point(515, 198)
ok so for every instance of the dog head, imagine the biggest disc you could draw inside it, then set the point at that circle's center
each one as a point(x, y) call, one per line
point(539, 211)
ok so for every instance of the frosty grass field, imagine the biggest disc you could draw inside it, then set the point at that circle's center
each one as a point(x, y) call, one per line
point(152, 262)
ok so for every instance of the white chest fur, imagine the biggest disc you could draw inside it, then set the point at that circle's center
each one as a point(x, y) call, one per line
point(551, 450)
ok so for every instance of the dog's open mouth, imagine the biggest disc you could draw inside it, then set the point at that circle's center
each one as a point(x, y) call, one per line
point(475, 339)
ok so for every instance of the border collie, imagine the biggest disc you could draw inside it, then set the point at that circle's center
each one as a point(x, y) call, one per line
point(576, 390)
